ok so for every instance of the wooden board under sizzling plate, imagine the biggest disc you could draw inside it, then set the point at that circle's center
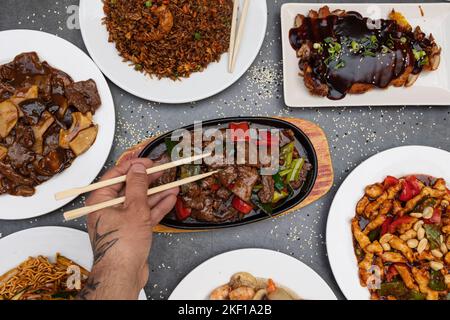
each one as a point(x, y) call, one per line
point(325, 174)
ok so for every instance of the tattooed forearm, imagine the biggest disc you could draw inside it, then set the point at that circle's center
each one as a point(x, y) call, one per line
point(101, 243)
point(89, 288)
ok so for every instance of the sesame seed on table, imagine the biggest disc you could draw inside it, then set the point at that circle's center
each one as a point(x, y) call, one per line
point(354, 135)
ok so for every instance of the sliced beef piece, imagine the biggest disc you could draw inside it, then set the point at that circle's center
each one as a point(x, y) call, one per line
point(9, 173)
point(84, 96)
point(227, 176)
point(18, 155)
point(246, 180)
point(268, 189)
point(207, 183)
point(169, 175)
point(192, 190)
point(210, 213)
point(6, 91)
point(28, 64)
point(286, 136)
point(24, 191)
point(223, 193)
point(24, 135)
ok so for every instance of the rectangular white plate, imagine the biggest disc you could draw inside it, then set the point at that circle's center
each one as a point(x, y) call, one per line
point(432, 88)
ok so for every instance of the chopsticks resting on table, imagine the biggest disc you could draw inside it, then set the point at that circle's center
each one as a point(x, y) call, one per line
point(236, 38)
point(110, 182)
point(77, 213)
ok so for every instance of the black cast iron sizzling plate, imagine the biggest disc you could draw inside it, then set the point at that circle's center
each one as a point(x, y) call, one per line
point(308, 185)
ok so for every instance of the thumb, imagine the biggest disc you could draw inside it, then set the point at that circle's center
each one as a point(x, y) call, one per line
point(136, 186)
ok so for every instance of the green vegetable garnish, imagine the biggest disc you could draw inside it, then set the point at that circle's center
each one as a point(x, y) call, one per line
point(419, 54)
point(394, 288)
point(170, 145)
point(368, 53)
point(433, 234)
point(374, 234)
point(437, 281)
point(137, 67)
point(287, 153)
point(403, 40)
point(355, 46)
point(340, 65)
point(296, 167)
point(318, 46)
point(415, 295)
point(197, 36)
point(148, 4)
point(278, 182)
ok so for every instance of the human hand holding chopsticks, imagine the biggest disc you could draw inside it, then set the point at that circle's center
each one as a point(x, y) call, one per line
point(121, 236)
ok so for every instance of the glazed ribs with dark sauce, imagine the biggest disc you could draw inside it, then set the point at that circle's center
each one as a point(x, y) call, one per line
point(343, 52)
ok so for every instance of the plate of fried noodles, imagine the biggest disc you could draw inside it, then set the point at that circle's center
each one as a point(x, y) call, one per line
point(45, 263)
point(169, 51)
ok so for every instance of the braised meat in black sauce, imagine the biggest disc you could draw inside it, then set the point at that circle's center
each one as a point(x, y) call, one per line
point(45, 122)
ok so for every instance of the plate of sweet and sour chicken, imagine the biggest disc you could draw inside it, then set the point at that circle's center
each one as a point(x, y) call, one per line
point(401, 238)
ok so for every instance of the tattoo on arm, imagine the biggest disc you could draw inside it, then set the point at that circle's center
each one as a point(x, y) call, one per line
point(100, 246)
point(89, 287)
point(100, 243)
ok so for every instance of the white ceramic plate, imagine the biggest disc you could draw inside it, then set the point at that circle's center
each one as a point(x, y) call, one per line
point(432, 88)
point(283, 269)
point(396, 162)
point(47, 241)
point(63, 55)
point(211, 81)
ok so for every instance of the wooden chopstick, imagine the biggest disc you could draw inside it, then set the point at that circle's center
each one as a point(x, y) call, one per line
point(77, 213)
point(233, 33)
point(240, 33)
point(110, 182)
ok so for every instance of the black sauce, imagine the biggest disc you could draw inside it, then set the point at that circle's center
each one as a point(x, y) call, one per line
point(391, 51)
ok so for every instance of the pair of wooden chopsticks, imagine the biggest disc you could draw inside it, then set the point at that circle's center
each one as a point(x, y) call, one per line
point(236, 37)
point(77, 213)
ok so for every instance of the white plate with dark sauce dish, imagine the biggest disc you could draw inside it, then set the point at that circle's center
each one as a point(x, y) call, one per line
point(431, 87)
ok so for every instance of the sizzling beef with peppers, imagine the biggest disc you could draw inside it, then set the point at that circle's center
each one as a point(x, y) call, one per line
point(401, 234)
point(239, 189)
point(343, 52)
point(45, 122)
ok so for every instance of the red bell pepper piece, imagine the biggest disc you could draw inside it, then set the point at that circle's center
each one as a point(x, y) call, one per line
point(181, 210)
point(239, 131)
point(435, 218)
point(241, 206)
point(406, 193)
point(391, 273)
point(398, 222)
point(414, 184)
point(389, 182)
point(385, 225)
point(215, 187)
point(410, 189)
point(266, 139)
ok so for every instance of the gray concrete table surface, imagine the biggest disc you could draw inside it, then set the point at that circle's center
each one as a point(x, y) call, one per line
point(354, 135)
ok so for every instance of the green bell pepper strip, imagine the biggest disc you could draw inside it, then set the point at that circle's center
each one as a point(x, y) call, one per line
point(286, 154)
point(296, 167)
point(437, 281)
point(278, 182)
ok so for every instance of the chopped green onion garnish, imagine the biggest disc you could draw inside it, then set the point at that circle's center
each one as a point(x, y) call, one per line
point(197, 36)
point(148, 4)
